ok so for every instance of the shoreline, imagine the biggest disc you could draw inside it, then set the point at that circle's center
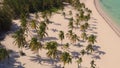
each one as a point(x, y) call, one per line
point(108, 20)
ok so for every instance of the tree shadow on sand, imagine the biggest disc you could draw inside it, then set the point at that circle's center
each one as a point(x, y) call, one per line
point(98, 52)
point(43, 61)
point(54, 30)
point(75, 54)
point(79, 45)
point(49, 38)
point(14, 27)
point(36, 59)
point(11, 61)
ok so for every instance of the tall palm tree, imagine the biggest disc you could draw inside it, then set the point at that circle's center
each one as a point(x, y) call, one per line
point(61, 36)
point(92, 39)
point(3, 54)
point(65, 58)
point(42, 30)
point(35, 45)
point(19, 38)
point(52, 49)
point(89, 48)
point(79, 61)
point(84, 36)
point(23, 22)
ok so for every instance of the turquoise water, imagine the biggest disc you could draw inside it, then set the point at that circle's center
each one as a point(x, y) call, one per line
point(112, 7)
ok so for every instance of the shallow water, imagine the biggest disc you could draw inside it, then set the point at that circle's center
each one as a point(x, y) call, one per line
point(112, 7)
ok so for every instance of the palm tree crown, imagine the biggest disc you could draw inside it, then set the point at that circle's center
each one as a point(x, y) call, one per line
point(61, 36)
point(35, 45)
point(3, 54)
point(66, 58)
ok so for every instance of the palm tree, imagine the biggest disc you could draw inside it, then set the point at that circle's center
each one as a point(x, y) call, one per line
point(82, 27)
point(92, 39)
point(71, 19)
point(36, 15)
point(82, 52)
point(52, 49)
point(69, 34)
point(64, 14)
point(77, 23)
point(89, 48)
point(65, 58)
point(84, 36)
point(23, 22)
point(70, 12)
point(35, 45)
point(33, 24)
point(19, 39)
point(70, 25)
point(42, 30)
point(3, 54)
point(86, 25)
point(66, 46)
point(61, 36)
point(79, 61)
point(92, 64)
point(74, 38)
point(47, 21)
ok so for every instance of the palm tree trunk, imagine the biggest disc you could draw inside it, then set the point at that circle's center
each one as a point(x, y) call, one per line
point(61, 42)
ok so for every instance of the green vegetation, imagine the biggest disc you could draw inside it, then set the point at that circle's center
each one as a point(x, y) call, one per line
point(21, 8)
point(5, 21)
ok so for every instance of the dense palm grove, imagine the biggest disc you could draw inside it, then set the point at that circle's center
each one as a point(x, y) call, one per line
point(22, 8)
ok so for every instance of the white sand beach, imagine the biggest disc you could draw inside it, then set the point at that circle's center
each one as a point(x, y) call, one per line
point(108, 41)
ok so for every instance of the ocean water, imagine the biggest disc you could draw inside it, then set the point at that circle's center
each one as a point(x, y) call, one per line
point(112, 7)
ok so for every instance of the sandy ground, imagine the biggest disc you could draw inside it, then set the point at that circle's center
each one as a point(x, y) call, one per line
point(107, 44)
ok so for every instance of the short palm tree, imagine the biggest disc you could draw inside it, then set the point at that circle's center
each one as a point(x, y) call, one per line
point(86, 25)
point(92, 39)
point(70, 25)
point(79, 61)
point(64, 14)
point(93, 65)
point(33, 24)
point(74, 38)
point(82, 52)
point(69, 34)
point(66, 46)
point(89, 48)
point(36, 15)
point(65, 58)
point(61, 36)
point(70, 12)
point(52, 49)
point(77, 23)
point(35, 45)
point(84, 36)
point(19, 38)
point(3, 54)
